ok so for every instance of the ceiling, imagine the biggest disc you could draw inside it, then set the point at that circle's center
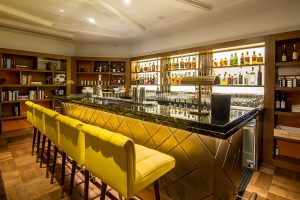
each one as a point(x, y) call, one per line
point(107, 20)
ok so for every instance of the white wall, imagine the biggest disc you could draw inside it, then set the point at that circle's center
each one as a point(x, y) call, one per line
point(238, 24)
point(102, 50)
point(31, 42)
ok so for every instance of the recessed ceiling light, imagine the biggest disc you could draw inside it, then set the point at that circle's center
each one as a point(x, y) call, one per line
point(61, 10)
point(91, 20)
point(127, 1)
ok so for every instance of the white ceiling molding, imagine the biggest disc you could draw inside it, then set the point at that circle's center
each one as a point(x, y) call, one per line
point(35, 29)
point(198, 4)
point(23, 15)
point(119, 13)
point(88, 32)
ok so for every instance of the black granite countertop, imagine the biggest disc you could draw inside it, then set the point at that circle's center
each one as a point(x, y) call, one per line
point(177, 117)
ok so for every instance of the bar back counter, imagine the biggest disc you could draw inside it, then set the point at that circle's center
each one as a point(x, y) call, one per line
point(208, 154)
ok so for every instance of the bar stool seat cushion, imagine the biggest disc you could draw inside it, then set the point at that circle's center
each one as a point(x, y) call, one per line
point(150, 165)
point(118, 162)
point(38, 117)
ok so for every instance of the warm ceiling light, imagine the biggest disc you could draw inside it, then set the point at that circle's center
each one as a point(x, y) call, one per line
point(127, 1)
point(91, 20)
point(61, 10)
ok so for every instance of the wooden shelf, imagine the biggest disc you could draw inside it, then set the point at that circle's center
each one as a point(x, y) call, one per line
point(43, 85)
point(238, 85)
point(287, 135)
point(23, 100)
point(33, 70)
point(288, 64)
point(290, 114)
point(97, 85)
point(287, 89)
point(145, 72)
point(286, 162)
point(236, 66)
point(52, 85)
point(98, 73)
point(176, 70)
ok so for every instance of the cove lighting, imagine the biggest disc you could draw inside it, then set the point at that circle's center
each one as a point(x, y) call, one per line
point(127, 1)
point(91, 20)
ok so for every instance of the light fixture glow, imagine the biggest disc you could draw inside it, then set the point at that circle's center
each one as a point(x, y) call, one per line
point(91, 20)
point(127, 1)
point(61, 10)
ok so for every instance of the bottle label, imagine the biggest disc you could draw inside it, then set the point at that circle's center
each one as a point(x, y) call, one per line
point(277, 104)
point(283, 58)
point(295, 55)
point(282, 105)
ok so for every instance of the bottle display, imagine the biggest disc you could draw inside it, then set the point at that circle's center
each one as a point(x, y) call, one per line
point(295, 53)
point(283, 54)
point(283, 102)
point(277, 102)
point(259, 76)
point(235, 59)
point(254, 58)
point(247, 58)
point(252, 79)
point(242, 59)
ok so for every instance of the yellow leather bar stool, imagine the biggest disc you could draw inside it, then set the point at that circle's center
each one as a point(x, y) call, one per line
point(30, 114)
point(39, 123)
point(118, 162)
point(51, 132)
point(72, 144)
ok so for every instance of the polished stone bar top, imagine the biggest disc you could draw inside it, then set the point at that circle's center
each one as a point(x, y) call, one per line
point(169, 115)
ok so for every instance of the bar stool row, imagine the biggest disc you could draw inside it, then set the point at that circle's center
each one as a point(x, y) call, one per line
point(112, 157)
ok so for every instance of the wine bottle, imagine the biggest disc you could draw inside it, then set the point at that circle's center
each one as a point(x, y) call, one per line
point(283, 54)
point(231, 60)
point(283, 82)
point(252, 77)
point(277, 102)
point(254, 58)
point(295, 53)
point(283, 102)
point(242, 59)
point(259, 77)
point(240, 79)
point(247, 58)
point(235, 59)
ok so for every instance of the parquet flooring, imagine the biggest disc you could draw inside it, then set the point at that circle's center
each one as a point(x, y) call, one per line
point(23, 179)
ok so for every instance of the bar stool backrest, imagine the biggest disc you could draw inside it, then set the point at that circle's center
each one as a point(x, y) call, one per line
point(29, 111)
point(111, 157)
point(51, 126)
point(71, 138)
point(38, 117)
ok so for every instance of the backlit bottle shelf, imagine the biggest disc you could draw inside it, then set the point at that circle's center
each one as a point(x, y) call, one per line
point(237, 66)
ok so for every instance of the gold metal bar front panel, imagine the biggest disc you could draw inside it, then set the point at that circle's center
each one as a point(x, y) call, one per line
point(206, 167)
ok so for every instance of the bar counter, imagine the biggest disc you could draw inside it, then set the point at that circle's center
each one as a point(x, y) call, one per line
point(208, 154)
point(176, 117)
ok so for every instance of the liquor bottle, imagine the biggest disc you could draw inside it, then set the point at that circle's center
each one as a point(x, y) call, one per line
point(260, 59)
point(114, 68)
point(224, 80)
point(194, 63)
point(188, 64)
point(215, 63)
point(225, 62)
point(138, 68)
point(235, 79)
point(242, 59)
point(153, 67)
point(252, 77)
point(217, 80)
point(122, 67)
point(283, 102)
point(221, 62)
point(283, 54)
point(182, 64)
point(247, 58)
point(229, 80)
point(277, 102)
point(235, 59)
point(96, 68)
point(231, 60)
point(259, 76)
point(295, 53)
point(283, 82)
point(240, 79)
point(246, 79)
point(294, 82)
point(254, 58)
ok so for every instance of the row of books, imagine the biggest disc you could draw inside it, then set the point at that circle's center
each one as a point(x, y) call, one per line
point(14, 95)
point(8, 63)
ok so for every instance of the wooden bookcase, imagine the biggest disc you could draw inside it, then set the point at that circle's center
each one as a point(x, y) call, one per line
point(28, 76)
point(93, 71)
point(287, 142)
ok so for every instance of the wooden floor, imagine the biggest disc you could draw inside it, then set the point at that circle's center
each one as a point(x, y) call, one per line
point(24, 179)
